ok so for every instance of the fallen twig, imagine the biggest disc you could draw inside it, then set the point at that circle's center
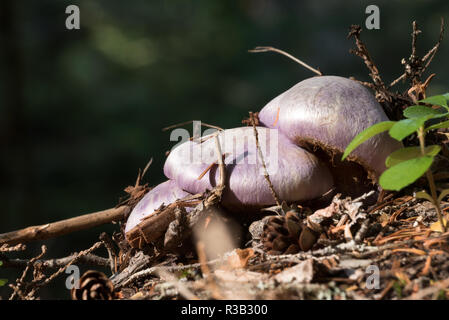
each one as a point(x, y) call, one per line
point(112, 252)
point(36, 284)
point(63, 227)
point(265, 172)
point(436, 287)
point(89, 259)
point(21, 285)
point(267, 49)
point(188, 122)
point(6, 248)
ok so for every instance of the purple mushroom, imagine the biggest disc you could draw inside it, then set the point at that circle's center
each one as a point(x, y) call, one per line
point(163, 194)
point(327, 112)
point(296, 174)
point(306, 129)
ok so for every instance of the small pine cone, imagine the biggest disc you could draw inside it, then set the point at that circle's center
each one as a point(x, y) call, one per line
point(280, 234)
point(287, 235)
point(93, 285)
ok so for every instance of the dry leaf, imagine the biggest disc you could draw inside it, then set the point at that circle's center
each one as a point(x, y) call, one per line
point(323, 214)
point(302, 272)
point(307, 239)
point(384, 219)
point(437, 226)
point(239, 276)
point(239, 258)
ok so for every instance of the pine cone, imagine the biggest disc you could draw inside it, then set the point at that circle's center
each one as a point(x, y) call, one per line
point(93, 285)
point(287, 235)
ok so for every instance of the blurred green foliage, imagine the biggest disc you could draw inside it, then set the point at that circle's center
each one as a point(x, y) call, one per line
point(82, 110)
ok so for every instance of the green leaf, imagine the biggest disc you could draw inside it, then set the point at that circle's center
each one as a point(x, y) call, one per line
point(1, 263)
point(443, 193)
point(405, 173)
point(404, 128)
point(366, 134)
point(424, 195)
point(408, 153)
point(444, 124)
point(440, 100)
point(423, 111)
point(3, 282)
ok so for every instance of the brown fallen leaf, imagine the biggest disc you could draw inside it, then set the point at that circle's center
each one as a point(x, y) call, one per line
point(384, 219)
point(302, 272)
point(239, 258)
point(437, 226)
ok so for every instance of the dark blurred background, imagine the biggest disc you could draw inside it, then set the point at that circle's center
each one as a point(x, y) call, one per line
point(82, 110)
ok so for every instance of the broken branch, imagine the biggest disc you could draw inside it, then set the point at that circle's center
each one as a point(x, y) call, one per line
point(63, 227)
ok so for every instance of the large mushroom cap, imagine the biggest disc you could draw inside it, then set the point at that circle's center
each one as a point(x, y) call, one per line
point(296, 174)
point(163, 194)
point(328, 112)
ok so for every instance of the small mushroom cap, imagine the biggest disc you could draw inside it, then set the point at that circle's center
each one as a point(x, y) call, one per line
point(296, 174)
point(330, 111)
point(163, 194)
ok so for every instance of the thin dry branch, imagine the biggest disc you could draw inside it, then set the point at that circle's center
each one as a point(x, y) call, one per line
point(362, 51)
point(19, 289)
point(6, 248)
point(63, 227)
point(75, 259)
point(392, 102)
point(189, 122)
point(435, 288)
point(120, 281)
point(112, 252)
point(221, 184)
point(267, 177)
point(415, 66)
point(27, 290)
point(431, 54)
point(88, 260)
point(267, 49)
point(136, 192)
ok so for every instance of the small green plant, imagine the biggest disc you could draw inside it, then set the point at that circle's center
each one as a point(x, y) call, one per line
point(2, 281)
point(408, 164)
point(398, 287)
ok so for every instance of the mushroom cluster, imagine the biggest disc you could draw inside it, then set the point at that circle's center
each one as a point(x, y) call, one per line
point(303, 135)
